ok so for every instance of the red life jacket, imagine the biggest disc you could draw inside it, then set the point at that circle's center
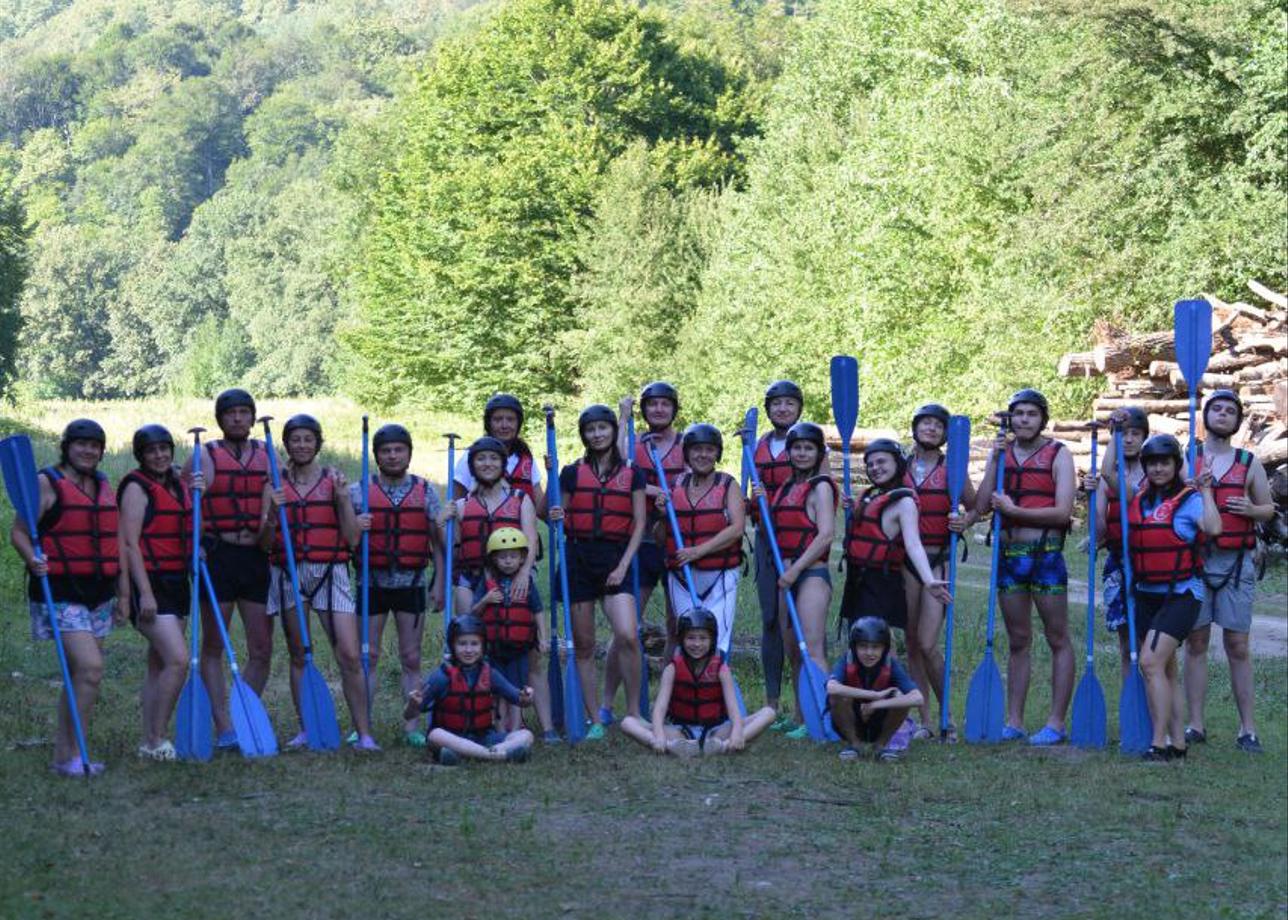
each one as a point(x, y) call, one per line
point(854, 674)
point(79, 530)
point(235, 489)
point(1113, 517)
point(1031, 484)
point(672, 461)
point(701, 522)
point(697, 699)
point(601, 510)
point(1158, 555)
point(315, 524)
point(464, 709)
point(792, 525)
point(866, 544)
point(399, 535)
point(932, 504)
point(520, 478)
point(166, 538)
point(773, 471)
point(1237, 531)
point(510, 627)
point(477, 523)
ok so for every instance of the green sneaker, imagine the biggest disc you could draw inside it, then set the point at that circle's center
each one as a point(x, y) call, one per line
point(782, 724)
point(414, 739)
point(799, 733)
point(352, 739)
point(595, 733)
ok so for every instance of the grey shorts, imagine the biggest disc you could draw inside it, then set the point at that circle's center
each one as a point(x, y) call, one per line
point(1227, 594)
point(72, 618)
point(324, 587)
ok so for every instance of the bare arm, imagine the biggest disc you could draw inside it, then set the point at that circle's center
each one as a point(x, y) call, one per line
point(21, 539)
point(822, 509)
point(906, 516)
point(134, 505)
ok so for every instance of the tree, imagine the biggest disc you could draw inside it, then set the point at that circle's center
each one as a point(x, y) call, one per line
point(13, 271)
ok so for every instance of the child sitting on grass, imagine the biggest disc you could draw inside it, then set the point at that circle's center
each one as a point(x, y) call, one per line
point(869, 692)
point(696, 708)
point(460, 696)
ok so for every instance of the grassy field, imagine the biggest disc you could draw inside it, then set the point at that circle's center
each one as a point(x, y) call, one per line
point(784, 830)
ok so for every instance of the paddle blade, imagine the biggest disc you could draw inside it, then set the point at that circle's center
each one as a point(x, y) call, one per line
point(254, 731)
point(19, 469)
point(750, 422)
point(1135, 727)
point(985, 708)
point(574, 707)
point(845, 394)
point(1089, 717)
point(318, 711)
point(1192, 325)
point(814, 701)
point(193, 732)
point(958, 456)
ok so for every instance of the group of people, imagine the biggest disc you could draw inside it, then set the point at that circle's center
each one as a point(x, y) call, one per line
point(112, 554)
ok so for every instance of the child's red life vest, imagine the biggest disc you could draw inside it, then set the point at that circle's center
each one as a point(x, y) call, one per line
point(234, 492)
point(315, 524)
point(399, 535)
point(933, 506)
point(166, 538)
point(1158, 555)
point(792, 525)
point(477, 523)
point(701, 522)
point(866, 544)
point(520, 478)
point(464, 709)
point(773, 471)
point(79, 530)
point(1237, 531)
point(601, 510)
point(697, 699)
point(672, 461)
point(1031, 484)
point(854, 674)
point(509, 627)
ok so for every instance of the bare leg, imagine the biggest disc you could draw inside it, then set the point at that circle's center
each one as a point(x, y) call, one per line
point(295, 648)
point(752, 727)
point(540, 688)
point(1196, 675)
point(890, 724)
point(1019, 630)
point(1054, 611)
point(911, 631)
point(620, 609)
point(1154, 657)
point(813, 598)
point(167, 653)
point(612, 661)
point(583, 641)
point(1176, 722)
point(1236, 652)
point(1124, 652)
point(211, 664)
point(85, 661)
point(411, 633)
point(792, 649)
point(843, 720)
point(346, 646)
point(148, 697)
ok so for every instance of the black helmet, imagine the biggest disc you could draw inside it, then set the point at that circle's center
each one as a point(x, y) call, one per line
point(483, 445)
point(930, 410)
point(502, 401)
point(304, 421)
point(870, 629)
point(1135, 417)
point(889, 446)
point(596, 412)
point(393, 433)
point(697, 618)
point(466, 625)
point(806, 431)
point(660, 389)
point(702, 433)
point(1228, 396)
point(81, 429)
point(1162, 445)
point(231, 399)
point(149, 435)
point(783, 388)
point(1033, 397)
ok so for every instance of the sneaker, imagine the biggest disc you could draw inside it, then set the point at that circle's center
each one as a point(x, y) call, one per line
point(1248, 743)
point(799, 733)
point(351, 739)
point(1156, 755)
point(848, 755)
point(595, 732)
point(902, 737)
point(414, 739)
point(518, 755)
point(551, 737)
point(923, 733)
point(145, 752)
point(1047, 737)
point(950, 737)
point(783, 723)
point(1195, 736)
point(606, 716)
point(1009, 733)
point(1175, 753)
point(447, 757)
point(298, 743)
point(227, 741)
point(889, 755)
point(366, 743)
point(73, 768)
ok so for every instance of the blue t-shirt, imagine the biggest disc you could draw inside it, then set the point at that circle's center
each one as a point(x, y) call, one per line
point(436, 685)
point(1185, 524)
point(898, 676)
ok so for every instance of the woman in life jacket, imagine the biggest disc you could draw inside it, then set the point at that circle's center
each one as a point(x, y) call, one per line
point(784, 403)
point(324, 529)
point(804, 512)
point(78, 528)
point(156, 540)
point(603, 513)
point(1166, 522)
point(404, 539)
point(492, 503)
point(518, 637)
point(711, 512)
point(869, 692)
point(695, 709)
point(460, 697)
point(503, 420)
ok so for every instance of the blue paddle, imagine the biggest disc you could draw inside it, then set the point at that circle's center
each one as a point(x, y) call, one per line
point(1135, 727)
point(984, 704)
point(554, 676)
point(635, 575)
point(573, 705)
point(450, 539)
point(1089, 717)
point(958, 461)
point(193, 735)
point(365, 599)
point(1192, 326)
point(814, 699)
point(19, 469)
point(750, 422)
point(317, 709)
point(688, 571)
point(845, 409)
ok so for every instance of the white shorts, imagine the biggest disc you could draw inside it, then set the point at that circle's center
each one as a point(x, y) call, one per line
point(717, 591)
point(324, 586)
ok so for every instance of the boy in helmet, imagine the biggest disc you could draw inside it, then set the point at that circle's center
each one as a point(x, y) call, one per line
point(460, 696)
point(518, 637)
point(1243, 497)
point(1036, 504)
point(869, 692)
point(695, 709)
point(78, 527)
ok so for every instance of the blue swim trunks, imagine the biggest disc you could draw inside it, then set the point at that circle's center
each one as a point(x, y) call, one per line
point(1112, 593)
point(1033, 568)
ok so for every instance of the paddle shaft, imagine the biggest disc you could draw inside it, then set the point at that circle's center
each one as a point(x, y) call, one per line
point(999, 486)
point(364, 600)
point(450, 539)
point(635, 560)
point(675, 525)
point(1092, 502)
point(1128, 598)
point(194, 605)
point(574, 705)
point(958, 459)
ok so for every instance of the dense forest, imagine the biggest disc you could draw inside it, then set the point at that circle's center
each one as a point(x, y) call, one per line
point(431, 199)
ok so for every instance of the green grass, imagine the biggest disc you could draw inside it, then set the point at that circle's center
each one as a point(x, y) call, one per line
point(782, 831)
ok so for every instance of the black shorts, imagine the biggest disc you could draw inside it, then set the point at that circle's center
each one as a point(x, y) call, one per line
point(87, 590)
point(1173, 614)
point(396, 600)
point(652, 560)
point(589, 562)
point(239, 573)
point(172, 592)
point(875, 593)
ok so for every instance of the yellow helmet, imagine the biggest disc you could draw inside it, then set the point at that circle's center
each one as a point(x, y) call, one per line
point(506, 538)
